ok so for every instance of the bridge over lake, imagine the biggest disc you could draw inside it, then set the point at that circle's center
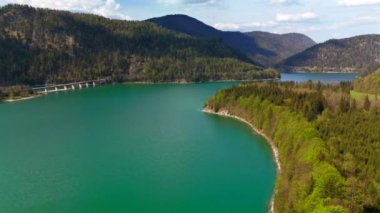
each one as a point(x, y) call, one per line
point(69, 86)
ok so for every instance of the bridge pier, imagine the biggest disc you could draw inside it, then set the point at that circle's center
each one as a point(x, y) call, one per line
point(49, 88)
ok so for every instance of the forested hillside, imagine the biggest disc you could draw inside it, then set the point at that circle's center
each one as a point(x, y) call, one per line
point(359, 54)
point(283, 45)
point(328, 142)
point(265, 49)
point(39, 46)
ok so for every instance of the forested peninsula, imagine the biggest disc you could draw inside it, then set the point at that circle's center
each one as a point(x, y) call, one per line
point(327, 138)
point(42, 46)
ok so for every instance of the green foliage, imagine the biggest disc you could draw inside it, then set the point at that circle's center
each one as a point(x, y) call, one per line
point(367, 103)
point(39, 46)
point(329, 150)
point(17, 91)
point(263, 48)
point(328, 181)
point(359, 96)
point(356, 54)
point(203, 69)
point(344, 104)
point(368, 84)
point(328, 184)
point(281, 45)
point(353, 140)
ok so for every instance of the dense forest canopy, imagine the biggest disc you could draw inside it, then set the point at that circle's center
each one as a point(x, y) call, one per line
point(360, 54)
point(263, 48)
point(282, 45)
point(369, 84)
point(39, 46)
point(328, 141)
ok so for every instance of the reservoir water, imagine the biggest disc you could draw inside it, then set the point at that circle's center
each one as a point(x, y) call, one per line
point(322, 77)
point(130, 148)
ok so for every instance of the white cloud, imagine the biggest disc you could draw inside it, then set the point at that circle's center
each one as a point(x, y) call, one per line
point(107, 8)
point(189, 2)
point(234, 26)
point(169, 1)
point(227, 26)
point(284, 2)
point(358, 2)
point(299, 17)
point(110, 9)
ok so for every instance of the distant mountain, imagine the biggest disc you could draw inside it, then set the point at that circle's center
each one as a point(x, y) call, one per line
point(263, 48)
point(359, 54)
point(284, 45)
point(40, 46)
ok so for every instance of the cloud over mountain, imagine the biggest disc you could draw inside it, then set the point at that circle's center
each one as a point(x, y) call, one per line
point(297, 17)
point(106, 8)
point(284, 2)
point(190, 2)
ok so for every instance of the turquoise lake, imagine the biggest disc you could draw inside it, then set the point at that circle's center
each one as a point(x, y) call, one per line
point(131, 148)
point(322, 77)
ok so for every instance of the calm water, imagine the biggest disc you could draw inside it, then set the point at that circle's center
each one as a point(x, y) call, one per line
point(130, 148)
point(323, 77)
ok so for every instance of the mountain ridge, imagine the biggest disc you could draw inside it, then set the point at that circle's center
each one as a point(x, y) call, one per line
point(40, 46)
point(359, 54)
point(248, 43)
point(284, 45)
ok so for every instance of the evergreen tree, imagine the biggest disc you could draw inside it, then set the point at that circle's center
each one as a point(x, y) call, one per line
point(329, 150)
point(367, 103)
point(39, 46)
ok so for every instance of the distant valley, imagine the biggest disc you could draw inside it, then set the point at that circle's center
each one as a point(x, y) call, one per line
point(288, 52)
point(265, 49)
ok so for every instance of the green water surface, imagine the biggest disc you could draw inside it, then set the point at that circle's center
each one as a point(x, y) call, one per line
point(130, 148)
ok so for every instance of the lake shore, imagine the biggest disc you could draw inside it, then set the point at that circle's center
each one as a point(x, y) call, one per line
point(194, 82)
point(276, 158)
point(19, 99)
point(324, 72)
point(148, 83)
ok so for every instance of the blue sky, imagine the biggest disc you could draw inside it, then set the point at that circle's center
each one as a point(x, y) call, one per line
point(319, 19)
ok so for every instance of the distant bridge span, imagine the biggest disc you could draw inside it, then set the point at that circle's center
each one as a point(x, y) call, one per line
point(69, 86)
